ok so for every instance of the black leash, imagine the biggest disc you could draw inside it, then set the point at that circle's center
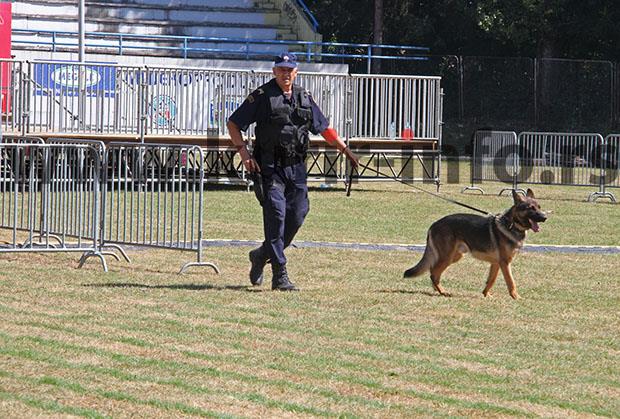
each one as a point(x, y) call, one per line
point(350, 180)
point(411, 185)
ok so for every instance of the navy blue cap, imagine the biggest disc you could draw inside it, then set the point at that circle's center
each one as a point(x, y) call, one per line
point(286, 59)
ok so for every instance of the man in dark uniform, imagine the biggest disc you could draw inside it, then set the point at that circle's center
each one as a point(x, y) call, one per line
point(285, 114)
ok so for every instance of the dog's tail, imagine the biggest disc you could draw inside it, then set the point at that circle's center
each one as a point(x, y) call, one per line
point(427, 261)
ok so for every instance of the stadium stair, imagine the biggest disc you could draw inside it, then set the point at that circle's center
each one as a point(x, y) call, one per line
point(244, 19)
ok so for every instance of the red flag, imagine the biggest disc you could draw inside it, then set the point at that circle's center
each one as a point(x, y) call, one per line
point(5, 52)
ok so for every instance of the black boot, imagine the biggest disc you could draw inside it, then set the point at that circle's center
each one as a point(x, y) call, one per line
point(258, 259)
point(280, 279)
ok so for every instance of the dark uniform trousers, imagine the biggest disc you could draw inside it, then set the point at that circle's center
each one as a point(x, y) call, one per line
point(285, 207)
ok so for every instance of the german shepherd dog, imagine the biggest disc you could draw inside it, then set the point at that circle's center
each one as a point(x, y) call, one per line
point(494, 239)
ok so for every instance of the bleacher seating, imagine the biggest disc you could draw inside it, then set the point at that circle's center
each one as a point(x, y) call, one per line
point(246, 19)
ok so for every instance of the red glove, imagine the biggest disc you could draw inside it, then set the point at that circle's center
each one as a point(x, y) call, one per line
point(330, 135)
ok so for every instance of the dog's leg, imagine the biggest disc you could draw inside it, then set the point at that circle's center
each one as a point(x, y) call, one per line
point(510, 282)
point(436, 272)
point(491, 279)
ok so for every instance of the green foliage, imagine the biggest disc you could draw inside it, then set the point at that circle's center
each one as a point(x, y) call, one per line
point(547, 28)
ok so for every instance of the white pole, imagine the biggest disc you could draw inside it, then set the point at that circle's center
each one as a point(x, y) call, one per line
point(82, 81)
point(81, 31)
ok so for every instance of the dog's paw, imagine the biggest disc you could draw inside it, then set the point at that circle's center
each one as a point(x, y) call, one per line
point(487, 294)
point(514, 295)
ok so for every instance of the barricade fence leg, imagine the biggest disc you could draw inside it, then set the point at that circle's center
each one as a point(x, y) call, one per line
point(50, 194)
point(154, 198)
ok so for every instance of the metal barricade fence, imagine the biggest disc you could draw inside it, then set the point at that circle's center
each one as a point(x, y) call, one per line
point(83, 98)
point(16, 139)
point(389, 107)
point(110, 98)
point(550, 158)
point(105, 248)
point(553, 158)
point(98, 145)
point(395, 106)
point(154, 197)
point(14, 95)
point(192, 101)
point(150, 195)
point(610, 158)
point(331, 92)
point(127, 94)
point(97, 98)
point(494, 159)
point(49, 194)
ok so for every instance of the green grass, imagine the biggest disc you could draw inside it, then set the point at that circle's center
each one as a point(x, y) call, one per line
point(358, 341)
point(402, 214)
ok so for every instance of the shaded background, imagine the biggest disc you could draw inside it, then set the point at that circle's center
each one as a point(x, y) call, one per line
point(546, 65)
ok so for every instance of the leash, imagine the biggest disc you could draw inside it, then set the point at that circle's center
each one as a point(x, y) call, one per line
point(350, 183)
point(452, 201)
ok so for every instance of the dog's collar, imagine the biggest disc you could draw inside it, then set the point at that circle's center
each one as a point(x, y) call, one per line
point(518, 226)
point(501, 221)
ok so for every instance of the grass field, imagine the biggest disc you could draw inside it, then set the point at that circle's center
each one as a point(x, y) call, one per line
point(402, 214)
point(358, 341)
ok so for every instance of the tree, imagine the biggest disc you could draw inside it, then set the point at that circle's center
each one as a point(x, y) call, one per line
point(544, 28)
point(377, 34)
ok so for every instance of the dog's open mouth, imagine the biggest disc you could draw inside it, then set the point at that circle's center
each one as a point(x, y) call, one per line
point(535, 226)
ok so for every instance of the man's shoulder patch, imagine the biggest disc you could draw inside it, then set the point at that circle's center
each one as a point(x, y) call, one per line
point(253, 96)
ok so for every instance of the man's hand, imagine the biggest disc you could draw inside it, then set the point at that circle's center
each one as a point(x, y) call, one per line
point(331, 136)
point(353, 159)
point(249, 162)
point(251, 165)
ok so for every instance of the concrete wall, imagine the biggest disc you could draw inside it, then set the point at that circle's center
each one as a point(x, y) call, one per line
point(294, 16)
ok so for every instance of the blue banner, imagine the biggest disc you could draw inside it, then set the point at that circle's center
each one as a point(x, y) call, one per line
point(63, 78)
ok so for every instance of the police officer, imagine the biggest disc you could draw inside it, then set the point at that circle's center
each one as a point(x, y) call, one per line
point(285, 114)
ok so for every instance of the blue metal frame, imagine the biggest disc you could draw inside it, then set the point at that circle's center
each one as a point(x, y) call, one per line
point(313, 50)
point(309, 15)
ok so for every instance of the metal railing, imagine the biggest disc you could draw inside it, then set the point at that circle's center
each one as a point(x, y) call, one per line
point(104, 99)
point(154, 197)
point(17, 139)
point(309, 15)
point(494, 158)
point(559, 158)
point(395, 106)
point(50, 199)
point(546, 158)
point(194, 46)
point(14, 95)
point(101, 197)
point(610, 160)
point(60, 97)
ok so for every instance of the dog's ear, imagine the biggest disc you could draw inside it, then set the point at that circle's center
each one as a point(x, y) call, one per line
point(516, 197)
point(530, 193)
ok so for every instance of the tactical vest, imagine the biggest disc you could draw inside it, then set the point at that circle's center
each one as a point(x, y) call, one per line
point(285, 132)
